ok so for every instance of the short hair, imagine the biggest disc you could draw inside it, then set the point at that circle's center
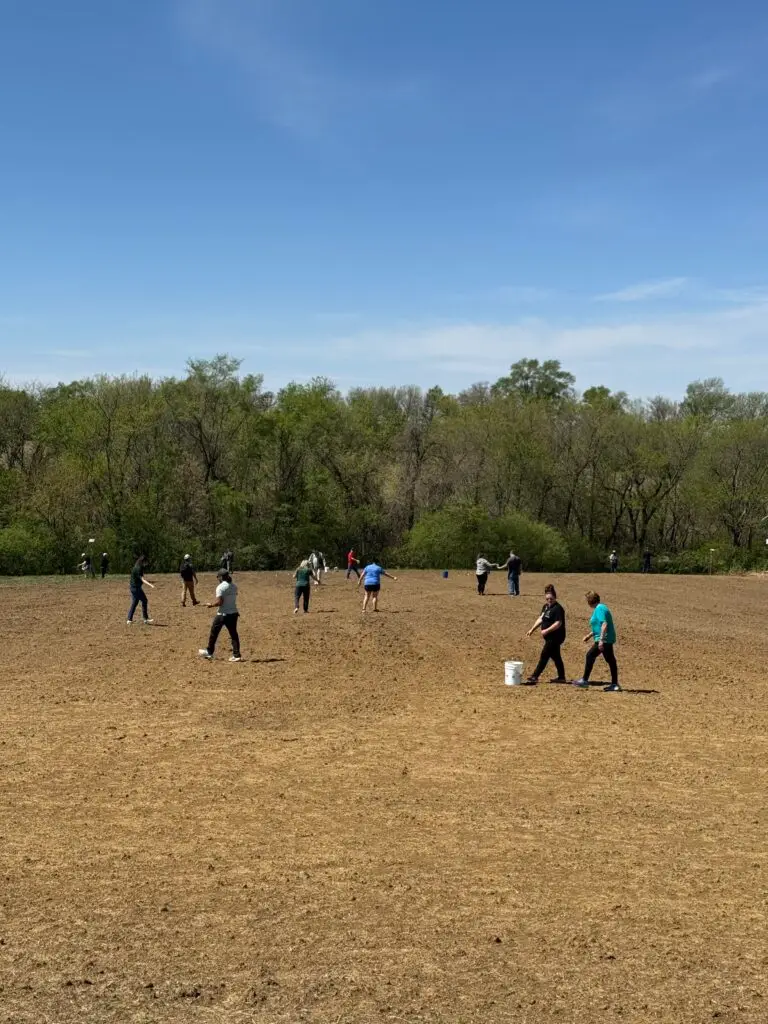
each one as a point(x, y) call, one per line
point(593, 598)
point(550, 589)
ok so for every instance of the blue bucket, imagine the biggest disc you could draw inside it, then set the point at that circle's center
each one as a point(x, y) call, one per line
point(445, 574)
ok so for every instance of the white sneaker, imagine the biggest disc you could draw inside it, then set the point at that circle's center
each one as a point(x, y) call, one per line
point(147, 622)
point(203, 652)
point(233, 658)
point(129, 622)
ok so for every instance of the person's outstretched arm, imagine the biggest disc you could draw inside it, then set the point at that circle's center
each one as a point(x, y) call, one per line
point(535, 626)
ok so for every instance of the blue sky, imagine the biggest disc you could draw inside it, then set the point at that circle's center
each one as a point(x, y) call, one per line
point(385, 193)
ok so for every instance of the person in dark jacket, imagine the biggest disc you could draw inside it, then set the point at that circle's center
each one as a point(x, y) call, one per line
point(189, 581)
point(514, 567)
point(104, 564)
point(551, 623)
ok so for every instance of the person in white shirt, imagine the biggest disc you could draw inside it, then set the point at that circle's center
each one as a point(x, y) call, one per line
point(225, 618)
point(484, 567)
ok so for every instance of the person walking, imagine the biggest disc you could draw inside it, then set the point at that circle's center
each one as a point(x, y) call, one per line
point(551, 622)
point(613, 561)
point(353, 563)
point(303, 576)
point(189, 581)
point(602, 633)
point(482, 569)
point(104, 564)
point(317, 562)
point(86, 566)
point(514, 567)
point(371, 579)
point(226, 617)
point(138, 596)
point(646, 561)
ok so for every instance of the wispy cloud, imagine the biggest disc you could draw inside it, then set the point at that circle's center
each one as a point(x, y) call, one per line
point(753, 294)
point(291, 86)
point(522, 293)
point(709, 79)
point(631, 349)
point(331, 317)
point(646, 290)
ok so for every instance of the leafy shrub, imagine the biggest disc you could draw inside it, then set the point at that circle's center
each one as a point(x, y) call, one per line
point(454, 536)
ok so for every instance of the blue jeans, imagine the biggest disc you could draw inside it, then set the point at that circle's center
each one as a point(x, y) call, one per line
point(138, 596)
point(513, 586)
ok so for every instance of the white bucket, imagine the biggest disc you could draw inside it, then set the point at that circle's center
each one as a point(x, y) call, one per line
point(513, 673)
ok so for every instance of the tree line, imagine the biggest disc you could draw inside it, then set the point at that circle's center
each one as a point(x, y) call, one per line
point(213, 461)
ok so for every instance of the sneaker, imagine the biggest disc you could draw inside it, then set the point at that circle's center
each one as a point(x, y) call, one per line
point(612, 688)
point(581, 683)
point(558, 680)
point(203, 652)
point(147, 622)
point(530, 681)
point(233, 658)
point(129, 622)
point(295, 611)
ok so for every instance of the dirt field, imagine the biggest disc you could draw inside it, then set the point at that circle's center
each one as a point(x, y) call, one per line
point(362, 823)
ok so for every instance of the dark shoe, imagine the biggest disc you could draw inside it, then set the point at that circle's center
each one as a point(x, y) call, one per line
point(558, 680)
point(530, 681)
point(612, 688)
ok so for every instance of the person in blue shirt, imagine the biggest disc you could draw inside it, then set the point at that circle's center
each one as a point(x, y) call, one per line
point(371, 580)
point(602, 633)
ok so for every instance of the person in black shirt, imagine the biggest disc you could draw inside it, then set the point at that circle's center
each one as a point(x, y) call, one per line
point(514, 567)
point(189, 577)
point(137, 591)
point(646, 561)
point(104, 564)
point(552, 625)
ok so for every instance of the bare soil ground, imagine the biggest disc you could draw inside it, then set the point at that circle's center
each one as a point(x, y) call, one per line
point(362, 823)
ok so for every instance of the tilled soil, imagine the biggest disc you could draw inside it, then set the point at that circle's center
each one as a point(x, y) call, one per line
point(361, 822)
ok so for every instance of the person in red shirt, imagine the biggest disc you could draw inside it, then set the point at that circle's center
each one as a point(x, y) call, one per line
point(352, 564)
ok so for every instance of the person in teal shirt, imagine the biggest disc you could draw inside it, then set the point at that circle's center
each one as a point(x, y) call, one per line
point(602, 634)
point(303, 576)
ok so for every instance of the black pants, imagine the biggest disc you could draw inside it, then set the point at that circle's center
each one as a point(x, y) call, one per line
point(354, 569)
point(551, 649)
point(138, 597)
point(302, 592)
point(228, 622)
point(607, 652)
point(482, 579)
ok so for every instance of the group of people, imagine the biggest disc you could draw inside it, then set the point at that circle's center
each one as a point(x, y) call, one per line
point(309, 570)
point(89, 569)
point(225, 602)
point(513, 565)
point(551, 623)
point(601, 635)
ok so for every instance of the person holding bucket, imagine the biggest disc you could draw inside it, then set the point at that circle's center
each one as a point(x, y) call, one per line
point(602, 633)
point(551, 622)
